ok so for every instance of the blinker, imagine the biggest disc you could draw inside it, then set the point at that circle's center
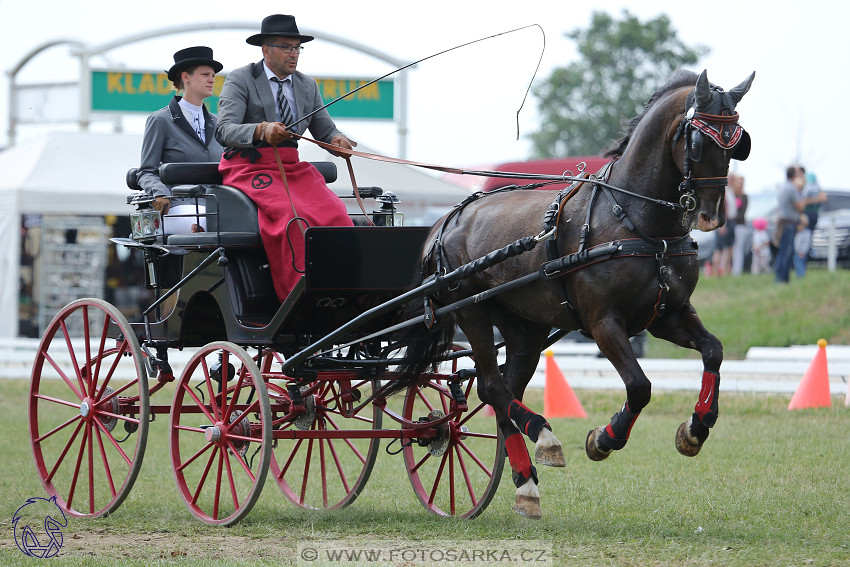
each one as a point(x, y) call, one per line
point(742, 150)
point(695, 146)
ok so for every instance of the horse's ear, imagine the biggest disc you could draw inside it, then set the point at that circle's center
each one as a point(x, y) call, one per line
point(742, 149)
point(738, 92)
point(702, 91)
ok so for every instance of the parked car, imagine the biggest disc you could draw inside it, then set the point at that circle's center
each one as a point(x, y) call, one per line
point(834, 215)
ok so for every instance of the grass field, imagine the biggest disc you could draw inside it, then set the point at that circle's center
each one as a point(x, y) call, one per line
point(769, 488)
point(749, 310)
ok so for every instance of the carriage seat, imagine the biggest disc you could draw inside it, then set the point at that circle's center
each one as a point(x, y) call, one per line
point(231, 214)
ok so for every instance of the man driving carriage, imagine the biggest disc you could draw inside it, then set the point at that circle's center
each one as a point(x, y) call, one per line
point(260, 106)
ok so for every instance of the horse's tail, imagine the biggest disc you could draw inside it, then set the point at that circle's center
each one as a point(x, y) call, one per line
point(424, 344)
point(424, 347)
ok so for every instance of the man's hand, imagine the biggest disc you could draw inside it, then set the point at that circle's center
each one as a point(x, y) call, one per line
point(162, 204)
point(341, 141)
point(275, 133)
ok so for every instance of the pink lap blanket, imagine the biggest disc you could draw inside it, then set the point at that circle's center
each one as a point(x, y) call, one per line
point(312, 200)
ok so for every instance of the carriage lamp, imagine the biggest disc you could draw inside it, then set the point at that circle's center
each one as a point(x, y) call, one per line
point(146, 222)
point(386, 214)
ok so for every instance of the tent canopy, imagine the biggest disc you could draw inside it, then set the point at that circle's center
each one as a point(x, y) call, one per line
point(80, 173)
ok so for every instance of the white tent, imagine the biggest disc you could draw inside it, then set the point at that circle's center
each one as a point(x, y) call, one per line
point(71, 173)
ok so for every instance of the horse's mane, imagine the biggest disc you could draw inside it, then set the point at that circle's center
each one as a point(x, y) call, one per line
point(681, 78)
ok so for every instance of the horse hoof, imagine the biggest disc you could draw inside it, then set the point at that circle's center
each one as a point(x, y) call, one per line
point(552, 456)
point(528, 507)
point(686, 444)
point(548, 450)
point(592, 448)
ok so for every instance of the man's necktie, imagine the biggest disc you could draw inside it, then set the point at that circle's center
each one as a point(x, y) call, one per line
point(283, 109)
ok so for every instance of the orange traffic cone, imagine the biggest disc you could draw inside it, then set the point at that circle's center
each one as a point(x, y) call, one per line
point(559, 400)
point(813, 391)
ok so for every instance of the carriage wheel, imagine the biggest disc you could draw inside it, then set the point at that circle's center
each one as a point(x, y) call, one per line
point(457, 472)
point(325, 473)
point(220, 434)
point(88, 408)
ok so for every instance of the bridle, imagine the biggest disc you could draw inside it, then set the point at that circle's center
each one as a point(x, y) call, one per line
point(722, 129)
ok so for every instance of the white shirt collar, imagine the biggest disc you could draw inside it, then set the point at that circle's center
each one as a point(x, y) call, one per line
point(270, 74)
point(189, 106)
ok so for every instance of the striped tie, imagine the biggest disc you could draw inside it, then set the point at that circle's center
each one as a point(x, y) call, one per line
point(282, 104)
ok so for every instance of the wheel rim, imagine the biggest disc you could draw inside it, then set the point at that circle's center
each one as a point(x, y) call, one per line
point(456, 473)
point(88, 408)
point(324, 474)
point(220, 439)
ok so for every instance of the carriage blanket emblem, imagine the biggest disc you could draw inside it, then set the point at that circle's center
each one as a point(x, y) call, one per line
point(38, 527)
point(261, 181)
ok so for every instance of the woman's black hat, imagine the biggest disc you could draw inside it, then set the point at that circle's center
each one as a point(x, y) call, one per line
point(192, 57)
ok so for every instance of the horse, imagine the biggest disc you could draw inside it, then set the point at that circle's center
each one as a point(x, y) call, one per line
point(617, 259)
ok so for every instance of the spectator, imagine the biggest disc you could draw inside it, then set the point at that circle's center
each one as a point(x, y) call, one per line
point(721, 259)
point(740, 229)
point(802, 243)
point(760, 247)
point(816, 198)
point(791, 205)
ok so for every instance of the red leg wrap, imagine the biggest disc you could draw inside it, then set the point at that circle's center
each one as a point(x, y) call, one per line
point(518, 454)
point(707, 403)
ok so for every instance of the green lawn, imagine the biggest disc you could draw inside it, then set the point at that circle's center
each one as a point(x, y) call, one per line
point(769, 488)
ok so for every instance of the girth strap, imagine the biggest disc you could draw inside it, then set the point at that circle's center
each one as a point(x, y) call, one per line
point(632, 247)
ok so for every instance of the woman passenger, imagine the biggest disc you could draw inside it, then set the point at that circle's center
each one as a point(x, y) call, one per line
point(183, 131)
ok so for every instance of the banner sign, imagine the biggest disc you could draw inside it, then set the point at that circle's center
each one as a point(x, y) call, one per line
point(138, 91)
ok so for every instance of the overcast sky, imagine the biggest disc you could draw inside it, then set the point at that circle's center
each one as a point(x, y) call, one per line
point(462, 106)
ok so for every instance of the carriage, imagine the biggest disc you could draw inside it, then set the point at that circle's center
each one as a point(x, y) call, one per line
point(302, 388)
point(234, 414)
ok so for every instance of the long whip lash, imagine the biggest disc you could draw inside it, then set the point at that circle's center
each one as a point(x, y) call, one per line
point(349, 93)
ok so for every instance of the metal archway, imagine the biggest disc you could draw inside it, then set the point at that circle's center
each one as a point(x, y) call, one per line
point(86, 53)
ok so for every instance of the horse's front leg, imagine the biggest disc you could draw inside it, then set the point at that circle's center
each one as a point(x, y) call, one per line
point(686, 329)
point(614, 345)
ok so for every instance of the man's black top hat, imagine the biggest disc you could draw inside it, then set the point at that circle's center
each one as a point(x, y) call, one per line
point(192, 57)
point(278, 25)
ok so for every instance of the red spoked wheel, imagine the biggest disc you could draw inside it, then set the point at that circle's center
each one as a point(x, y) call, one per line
point(88, 408)
point(329, 470)
point(220, 436)
point(456, 470)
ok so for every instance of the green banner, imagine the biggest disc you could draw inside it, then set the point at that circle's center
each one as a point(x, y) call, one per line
point(135, 91)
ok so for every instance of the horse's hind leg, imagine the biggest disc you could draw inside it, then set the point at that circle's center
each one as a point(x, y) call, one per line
point(614, 345)
point(493, 390)
point(685, 329)
point(523, 342)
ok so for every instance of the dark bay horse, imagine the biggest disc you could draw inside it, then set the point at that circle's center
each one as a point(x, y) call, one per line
point(618, 258)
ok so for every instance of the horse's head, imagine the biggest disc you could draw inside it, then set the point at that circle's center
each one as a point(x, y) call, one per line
point(707, 138)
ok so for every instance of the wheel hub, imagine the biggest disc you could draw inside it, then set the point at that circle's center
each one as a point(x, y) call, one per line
point(438, 445)
point(242, 427)
point(212, 434)
point(305, 421)
point(110, 422)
